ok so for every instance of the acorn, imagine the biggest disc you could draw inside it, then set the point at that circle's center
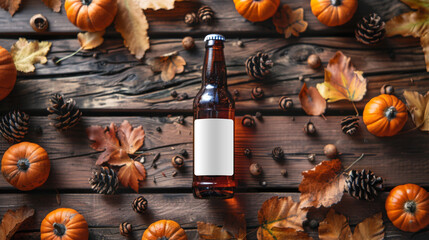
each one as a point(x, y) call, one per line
point(387, 89)
point(285, 103)
point(255, 169)
point(314, 61)
point(309, 128)
point(177, 161)
point(188, 43)
point(311, 157)
point(330, 151)
point(39, 23)
point(283, 172)
point(248, 121)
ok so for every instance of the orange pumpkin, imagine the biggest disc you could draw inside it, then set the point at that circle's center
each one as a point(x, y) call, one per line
point(164, 229)
point(407, 206)
point(91, 15)
point(256, 10)
point(385, 115)
point(64, 224)
point(26, 166)
point(334, 12)
point(7, 73)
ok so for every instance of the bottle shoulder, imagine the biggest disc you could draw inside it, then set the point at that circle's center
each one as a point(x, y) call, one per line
point(214, 96)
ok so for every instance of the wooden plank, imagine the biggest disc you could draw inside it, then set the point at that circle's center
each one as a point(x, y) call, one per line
point(105, 213)
point(228, 21)
point(400, 159)
point(116, 81)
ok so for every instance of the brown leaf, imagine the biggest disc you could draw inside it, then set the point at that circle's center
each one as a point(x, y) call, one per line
point(371, 228)
point(311, 101)
point(168, 64)
point(131, 23)
point(12, 220)
point(323, 185)
point(234, 228)
point(156, 4)
point(278, 215)
point(418, 105)
point(116, 144)
point(334, 227)
point(10, 5)
point(283, 234)
point(342, 81)
point(53, 4)
point(90, 40)
point(414, 23)
point(290, 21)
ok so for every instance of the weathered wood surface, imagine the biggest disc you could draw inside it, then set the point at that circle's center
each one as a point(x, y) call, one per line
point(116, 81)
point(400, 159)
point(228, 21)
point(105, 213)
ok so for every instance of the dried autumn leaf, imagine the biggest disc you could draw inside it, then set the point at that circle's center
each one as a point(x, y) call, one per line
point(131, 23)
point(342, 81)
point(311, 101)
point(414, 23)
point(12, 220)
point(280, 217)
point(288, 21)
point(90, 40)
point(10, 5)
point(234, 228)
point(25, 54)
point(323, 185)
point(168, 64)
point(418, 105)
point(336, 227)
point(371, 228)
point(53, 4)
point(155, 4)
point(116, 144)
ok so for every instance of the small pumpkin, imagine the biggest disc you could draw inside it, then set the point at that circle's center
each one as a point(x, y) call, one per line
point(91, 15)
point(334, 12)
point(385, 115)
point(25, 166)
point(62, 224)
point(165, 230)
point(407, 207)
point(7, 73)
point(256, 10)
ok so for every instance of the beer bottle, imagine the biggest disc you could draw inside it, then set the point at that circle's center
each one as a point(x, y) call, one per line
point(214, 113)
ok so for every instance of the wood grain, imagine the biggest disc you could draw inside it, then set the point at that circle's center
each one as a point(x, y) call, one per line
point(228, 21)
point(116, 81)
point(105, 213)
point(400, 159)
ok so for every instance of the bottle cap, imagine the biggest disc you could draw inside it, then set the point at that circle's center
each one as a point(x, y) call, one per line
point(214, 37)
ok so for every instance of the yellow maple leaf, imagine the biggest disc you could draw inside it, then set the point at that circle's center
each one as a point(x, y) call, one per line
point(131, 23)
point(418, 106)
point(414, 23)
point(342, 81)
point(25, 54)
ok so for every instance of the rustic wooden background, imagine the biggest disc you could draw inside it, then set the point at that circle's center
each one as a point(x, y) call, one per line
point(114, 86)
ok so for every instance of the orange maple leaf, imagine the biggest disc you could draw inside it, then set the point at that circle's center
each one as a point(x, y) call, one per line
point(289, 22)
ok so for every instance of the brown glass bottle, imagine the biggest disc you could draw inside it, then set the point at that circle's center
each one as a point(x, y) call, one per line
point(214, 113)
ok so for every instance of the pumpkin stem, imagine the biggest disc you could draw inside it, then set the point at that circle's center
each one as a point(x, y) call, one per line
point(86, 2)
point(410, 206)
point(59, 229)
point(23, 164)
point(390, 113)
point(335, 2)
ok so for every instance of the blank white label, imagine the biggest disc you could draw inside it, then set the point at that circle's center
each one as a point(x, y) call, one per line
point(213, 147)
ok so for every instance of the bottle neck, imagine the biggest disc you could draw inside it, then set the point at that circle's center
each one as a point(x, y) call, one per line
point(214, 69)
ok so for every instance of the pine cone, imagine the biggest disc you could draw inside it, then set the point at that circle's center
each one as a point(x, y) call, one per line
point(125, 229)
point(66, 114)
point(206, 14)
point(350, 125)
point(363, 185)
point(258, 66)
point(370, 29)
point(104, 181)
point(191, 19)
point(140, 204)
point(14, 126)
